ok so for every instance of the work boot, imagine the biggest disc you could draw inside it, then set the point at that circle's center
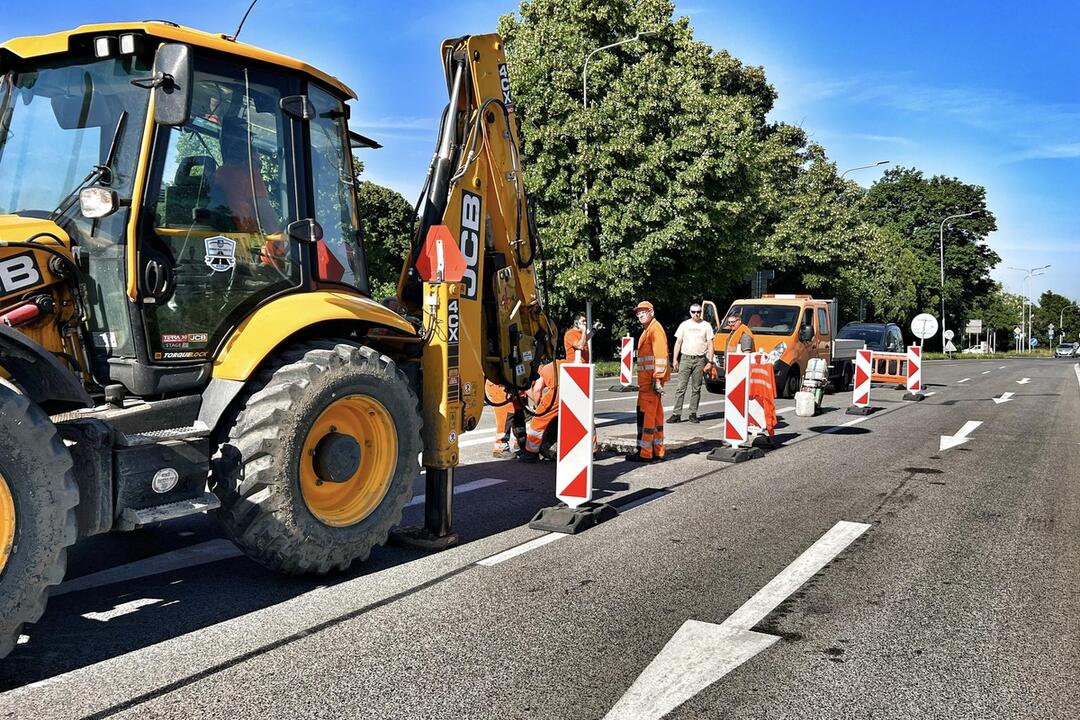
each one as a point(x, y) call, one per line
point(528, 457)
point(636, 457)
point(693, 418)
point(674, 419)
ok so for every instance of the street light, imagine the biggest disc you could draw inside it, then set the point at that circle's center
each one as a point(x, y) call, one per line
point(941, 247)
point(585, 70)
point(1031, 272)
point(863, 167)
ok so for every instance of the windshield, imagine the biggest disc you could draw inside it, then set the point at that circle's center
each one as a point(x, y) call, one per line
point(869, 335)
point(57, 122)
point(766, 319)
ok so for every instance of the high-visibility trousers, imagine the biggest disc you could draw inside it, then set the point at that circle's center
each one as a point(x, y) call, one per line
point(650, 422)
point(538, 423)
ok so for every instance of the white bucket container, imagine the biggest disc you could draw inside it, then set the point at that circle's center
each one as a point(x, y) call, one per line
point(805, 405)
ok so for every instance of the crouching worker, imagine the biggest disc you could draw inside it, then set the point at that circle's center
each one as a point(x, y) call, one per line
point(545, 396)
point(509, 420)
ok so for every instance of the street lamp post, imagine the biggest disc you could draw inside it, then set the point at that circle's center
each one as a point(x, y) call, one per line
point(1026, 319)
point(863, 167)
point(941, 249)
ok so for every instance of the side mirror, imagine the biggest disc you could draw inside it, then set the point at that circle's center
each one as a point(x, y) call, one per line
point(806, 333)
point(172, 84)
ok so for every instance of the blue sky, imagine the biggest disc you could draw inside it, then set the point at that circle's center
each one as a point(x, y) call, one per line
point(984, 91)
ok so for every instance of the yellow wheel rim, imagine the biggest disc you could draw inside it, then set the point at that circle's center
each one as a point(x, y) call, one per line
point(368, 422)
point(7, 521)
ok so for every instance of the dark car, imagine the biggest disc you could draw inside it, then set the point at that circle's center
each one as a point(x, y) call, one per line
point(883, 337)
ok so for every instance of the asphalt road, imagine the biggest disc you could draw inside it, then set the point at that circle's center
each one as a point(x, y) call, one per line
point(938, 583)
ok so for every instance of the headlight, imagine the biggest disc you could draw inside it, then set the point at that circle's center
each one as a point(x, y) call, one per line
point(777, 352)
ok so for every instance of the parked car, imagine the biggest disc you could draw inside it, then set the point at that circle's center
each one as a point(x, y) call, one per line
point(882, 337)
point(1067, 350)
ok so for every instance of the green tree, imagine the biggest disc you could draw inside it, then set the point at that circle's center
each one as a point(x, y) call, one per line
point(913, 207)
point(669, 149)
point(1054, 309)
point(386, 223)
point(1000, 312)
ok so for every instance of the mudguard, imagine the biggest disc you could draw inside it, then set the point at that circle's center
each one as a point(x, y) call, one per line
point(37, 371)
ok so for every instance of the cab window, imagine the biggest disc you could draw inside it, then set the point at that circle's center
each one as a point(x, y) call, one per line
point(339, 255)
point(822, 321)
point(223, 193)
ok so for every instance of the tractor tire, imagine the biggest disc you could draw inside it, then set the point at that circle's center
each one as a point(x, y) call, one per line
point(38, 496)
point(274, 503)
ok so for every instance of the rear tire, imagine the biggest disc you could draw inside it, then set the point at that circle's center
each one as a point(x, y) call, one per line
point(273, 505)
point(38, 496)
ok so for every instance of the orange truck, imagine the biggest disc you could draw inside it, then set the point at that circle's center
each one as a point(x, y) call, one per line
point(791, 328)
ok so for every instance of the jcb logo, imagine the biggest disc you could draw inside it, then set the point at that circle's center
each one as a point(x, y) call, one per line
point(504, 80)
point(470, 240)
point(18, 273)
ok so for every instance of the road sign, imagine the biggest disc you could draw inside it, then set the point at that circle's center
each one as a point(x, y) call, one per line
point(973, 327)
point(914, 369)
point(626, 360)
point(1017, 332)
point(574, 469)
point(949, 347)
point(1034, 341)
point(924, 325)
point(949, 334)
point(736, 398)
point(860, 394)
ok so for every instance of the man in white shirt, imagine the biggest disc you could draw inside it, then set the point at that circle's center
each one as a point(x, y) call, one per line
point(693, 349)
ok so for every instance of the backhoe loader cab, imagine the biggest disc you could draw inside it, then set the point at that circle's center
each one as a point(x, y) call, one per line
point(185, 320)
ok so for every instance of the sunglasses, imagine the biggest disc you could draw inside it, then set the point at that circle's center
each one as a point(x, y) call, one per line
point(695, 312)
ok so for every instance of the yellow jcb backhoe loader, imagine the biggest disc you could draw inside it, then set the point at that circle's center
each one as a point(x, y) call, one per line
point(185, 320)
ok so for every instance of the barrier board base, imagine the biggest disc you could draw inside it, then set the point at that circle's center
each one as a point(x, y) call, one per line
point(855, 410)
point(423, 539)
point(917, 397)
point(623, 388)
point(736, 455)
point(563, 519)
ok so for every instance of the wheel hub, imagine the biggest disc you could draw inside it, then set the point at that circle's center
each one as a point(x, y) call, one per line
point(337, 458)
point(7, 521)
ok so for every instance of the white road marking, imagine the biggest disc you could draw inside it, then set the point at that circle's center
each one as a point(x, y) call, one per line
point(849, 423)
point(961, 436)
point(1076, 368)
point(701, 653)
point(1005, 397)
point(206, 552)
point(985, 372)
point(121, 609)
point(466, 487)
point(1023, 381)
point(1002, 367)
point(962, 381)
point(521, 549)
point(930, 394)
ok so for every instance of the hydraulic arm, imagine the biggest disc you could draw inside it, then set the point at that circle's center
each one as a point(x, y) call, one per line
point(483, 319)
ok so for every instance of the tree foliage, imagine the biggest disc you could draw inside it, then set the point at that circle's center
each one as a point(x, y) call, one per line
point(386, 224)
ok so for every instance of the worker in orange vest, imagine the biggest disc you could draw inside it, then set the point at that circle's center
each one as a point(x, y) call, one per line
point(763, 390)
point(653, 372)
point(545, 395)
point(576, 340)
point(509, 419)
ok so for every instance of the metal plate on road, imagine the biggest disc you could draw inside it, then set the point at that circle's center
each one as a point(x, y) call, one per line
point(924, 325)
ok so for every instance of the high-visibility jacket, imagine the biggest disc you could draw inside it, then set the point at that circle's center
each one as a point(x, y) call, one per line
point(570, 340)
point(740, 340)
point(652, 355)
point(763, 391)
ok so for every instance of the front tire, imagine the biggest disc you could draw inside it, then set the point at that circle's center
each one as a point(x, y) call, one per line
point(792, 382)
point(269, 473)
point(38, 496)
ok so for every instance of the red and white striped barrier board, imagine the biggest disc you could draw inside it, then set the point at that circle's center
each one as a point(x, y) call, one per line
point(860, 396)
point(736, 397)
point(626, 361)
point(914, 368)
point(574, 467)
point(755, 412)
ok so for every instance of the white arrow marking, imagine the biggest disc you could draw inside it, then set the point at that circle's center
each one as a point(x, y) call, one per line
point(1023, 381)
point(962, 381)
point(961, 436)
point(1005, 397)
point(701, 653)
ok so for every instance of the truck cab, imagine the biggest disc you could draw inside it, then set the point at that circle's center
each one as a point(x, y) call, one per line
point(792, 329)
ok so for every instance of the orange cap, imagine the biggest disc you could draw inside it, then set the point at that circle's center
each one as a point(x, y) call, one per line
point(643, 305)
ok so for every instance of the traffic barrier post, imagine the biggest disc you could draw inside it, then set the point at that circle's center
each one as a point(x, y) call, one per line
point(860, 394)
point(626, 367)
point(914, 374)
point(574, 457)
point(736, 411)
point(889, 368)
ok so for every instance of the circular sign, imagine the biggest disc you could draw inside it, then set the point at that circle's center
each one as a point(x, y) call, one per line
point(1034, 342)
point(949, 334)
point(924, 325)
